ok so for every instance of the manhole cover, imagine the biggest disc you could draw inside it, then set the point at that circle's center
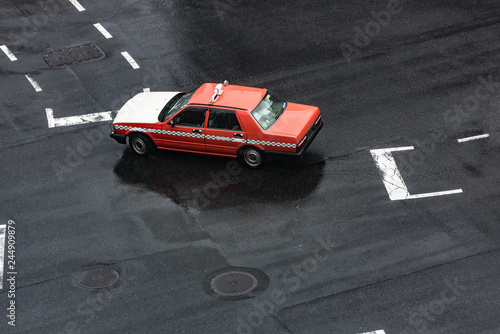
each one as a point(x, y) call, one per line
point(236, 283)
point(98, 278)
point(233, 283)
point(73, 55)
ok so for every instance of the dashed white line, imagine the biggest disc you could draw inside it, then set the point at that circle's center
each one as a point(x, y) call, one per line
point(463, 140)
point(2, 252)
point(9, 54)
point(393, 181)
point(130, 60)
point(146, 90)
point(34, 83)
point(103, 30)
point(77, 5)
point(381, 331)
point(76, 120)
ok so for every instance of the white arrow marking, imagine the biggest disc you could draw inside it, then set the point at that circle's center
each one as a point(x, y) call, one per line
point(375, 332)
point(9, 54)
point(2, 252)
point(393, 181)
point(76, 120)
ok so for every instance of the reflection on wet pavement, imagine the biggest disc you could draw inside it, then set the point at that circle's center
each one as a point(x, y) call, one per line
point(207, 182)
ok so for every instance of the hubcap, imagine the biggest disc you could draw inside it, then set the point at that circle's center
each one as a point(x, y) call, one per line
point(253, 158)
point(139, 145)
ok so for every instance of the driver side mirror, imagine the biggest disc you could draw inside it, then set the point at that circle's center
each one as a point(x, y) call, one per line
point(171, 123)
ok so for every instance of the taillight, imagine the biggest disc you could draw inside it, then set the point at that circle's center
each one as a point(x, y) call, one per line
point(302, 142)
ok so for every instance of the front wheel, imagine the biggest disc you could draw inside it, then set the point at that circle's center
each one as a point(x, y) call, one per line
point(252, 157)
point(141, 144)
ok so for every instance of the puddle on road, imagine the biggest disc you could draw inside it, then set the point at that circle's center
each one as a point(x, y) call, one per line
point(208, 182)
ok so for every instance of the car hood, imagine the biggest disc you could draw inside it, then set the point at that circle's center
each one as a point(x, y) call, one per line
point(144, 107)
point(295, 120)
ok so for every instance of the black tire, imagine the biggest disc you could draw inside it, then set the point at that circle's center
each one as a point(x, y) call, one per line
point(252, 157)
point(141, 144)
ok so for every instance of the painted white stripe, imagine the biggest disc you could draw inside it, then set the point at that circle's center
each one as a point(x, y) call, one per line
point(130, 60)
point(34, 83)
point(439, 193)
point(381, 331)
point(393, 181)
point(463, 140)
point(394, 149)
point(102, 30)
point(76, 120)
point(9, 54)
point(2, 252)
point(146, 90)
point(77, 5)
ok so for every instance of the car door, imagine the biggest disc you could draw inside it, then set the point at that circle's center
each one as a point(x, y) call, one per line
point(184, 131)
point(223, 134)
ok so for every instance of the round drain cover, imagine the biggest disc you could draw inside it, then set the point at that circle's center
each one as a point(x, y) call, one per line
point(233, 283)
point(98, 278)
point(236, 283)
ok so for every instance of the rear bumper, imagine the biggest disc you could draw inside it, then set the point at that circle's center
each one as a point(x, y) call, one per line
point(303, 149)
point(119, 137)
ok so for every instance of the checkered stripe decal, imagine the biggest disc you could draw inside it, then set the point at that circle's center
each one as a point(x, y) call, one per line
point(199, 135)
point(165, 132)
point(271, 143)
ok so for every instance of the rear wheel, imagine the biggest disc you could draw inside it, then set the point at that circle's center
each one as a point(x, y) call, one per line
point(141, 144)
point(252, 157)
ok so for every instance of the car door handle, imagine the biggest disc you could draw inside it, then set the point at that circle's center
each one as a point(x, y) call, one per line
point(238, 134)
point(197, 130)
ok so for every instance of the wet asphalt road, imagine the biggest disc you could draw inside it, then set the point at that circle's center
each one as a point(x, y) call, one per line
point(340, 255)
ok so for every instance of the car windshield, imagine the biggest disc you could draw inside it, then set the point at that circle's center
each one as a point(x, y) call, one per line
point(175, 104)
point(268, 110)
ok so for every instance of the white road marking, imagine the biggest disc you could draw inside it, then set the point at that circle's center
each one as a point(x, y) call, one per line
point(146, 90)
point(130, 60)
point(102, 30)
point(76, 120)
point(393, 181)
point(462, 140)
point(381, 331)
point(9, 54)
point(34, 83)
point(77, 5)
point(439, 193)
point(2, 252)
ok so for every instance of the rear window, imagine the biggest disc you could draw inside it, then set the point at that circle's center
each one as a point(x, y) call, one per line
point(269, 110)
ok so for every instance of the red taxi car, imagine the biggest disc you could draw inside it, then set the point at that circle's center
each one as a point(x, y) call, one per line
point(218, 119)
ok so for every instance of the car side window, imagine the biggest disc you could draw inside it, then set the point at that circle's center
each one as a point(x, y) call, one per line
point(223, 120)
point(193, 117)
